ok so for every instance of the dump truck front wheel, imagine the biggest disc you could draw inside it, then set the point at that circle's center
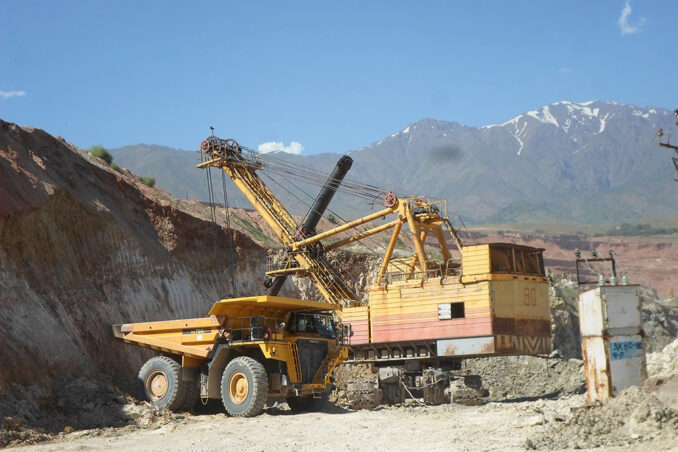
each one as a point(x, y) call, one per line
point(244, 387)
point(160, 379)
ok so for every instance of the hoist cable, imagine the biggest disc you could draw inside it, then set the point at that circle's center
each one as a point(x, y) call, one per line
point(231, 251)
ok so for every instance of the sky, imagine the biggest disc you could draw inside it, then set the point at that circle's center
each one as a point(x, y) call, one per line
point(319, 76)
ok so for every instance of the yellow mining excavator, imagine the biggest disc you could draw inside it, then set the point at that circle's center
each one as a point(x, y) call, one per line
point(423, 317)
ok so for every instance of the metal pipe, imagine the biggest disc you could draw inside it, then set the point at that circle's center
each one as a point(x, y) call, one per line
point(362, 235)
point(438, 231)
point(344, 227)
point(418, 246)
point(453, 233)
point(389, 250)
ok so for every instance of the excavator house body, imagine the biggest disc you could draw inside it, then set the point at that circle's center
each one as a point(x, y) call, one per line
point(496, 303)
point(296, 341)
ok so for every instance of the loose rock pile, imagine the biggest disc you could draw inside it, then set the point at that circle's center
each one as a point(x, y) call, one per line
point(31, 414)
point(664, 362)
point(630, 418)
point(634, 416)
point(524, 377)
point(347, 377)
point(14, 432)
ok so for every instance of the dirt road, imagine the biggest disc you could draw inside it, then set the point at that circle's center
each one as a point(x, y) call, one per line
point(492, 427)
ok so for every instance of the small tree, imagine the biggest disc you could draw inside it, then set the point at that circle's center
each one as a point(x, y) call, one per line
point(101, 152)
point(147, 180)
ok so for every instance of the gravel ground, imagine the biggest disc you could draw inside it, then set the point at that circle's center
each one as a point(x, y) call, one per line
point(496, 426)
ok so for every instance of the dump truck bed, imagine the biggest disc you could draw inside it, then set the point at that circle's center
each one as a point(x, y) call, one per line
point(197, 337)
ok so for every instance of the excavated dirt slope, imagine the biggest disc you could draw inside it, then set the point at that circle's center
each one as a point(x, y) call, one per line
point(82, 247)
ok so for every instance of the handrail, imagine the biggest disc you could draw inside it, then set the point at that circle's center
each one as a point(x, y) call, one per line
point(266, 329)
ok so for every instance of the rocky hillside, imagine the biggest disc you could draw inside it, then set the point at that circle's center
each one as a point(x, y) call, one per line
point(591, 162)
point(82, 247)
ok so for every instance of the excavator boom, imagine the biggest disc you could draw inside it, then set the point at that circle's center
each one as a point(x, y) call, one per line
point(306, 260)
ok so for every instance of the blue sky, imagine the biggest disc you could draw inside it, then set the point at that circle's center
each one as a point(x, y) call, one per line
point(331, 76)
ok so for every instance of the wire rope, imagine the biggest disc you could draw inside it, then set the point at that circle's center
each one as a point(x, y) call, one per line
point(230, 232)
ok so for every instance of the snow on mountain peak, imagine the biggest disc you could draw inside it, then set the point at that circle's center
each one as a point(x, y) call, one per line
point(593, 112)
point(585, 109)
point(547, 116)
point(644, 114)
point(579, 120)
point(544, 115)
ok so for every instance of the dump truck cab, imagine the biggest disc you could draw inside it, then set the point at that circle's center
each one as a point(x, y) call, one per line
point(248, 350)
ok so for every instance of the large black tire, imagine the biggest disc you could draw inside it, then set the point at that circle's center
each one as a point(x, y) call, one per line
point(244, 387)
point(308, 403)
point(160, 380)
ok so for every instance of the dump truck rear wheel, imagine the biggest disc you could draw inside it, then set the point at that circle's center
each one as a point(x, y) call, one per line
point(160, 379)
point(244, 387)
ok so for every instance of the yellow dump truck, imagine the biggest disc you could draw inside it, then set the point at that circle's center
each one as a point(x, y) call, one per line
point(247, 351)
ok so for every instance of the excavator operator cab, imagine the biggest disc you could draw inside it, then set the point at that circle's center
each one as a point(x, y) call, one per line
point(422, 206)
point(306, 323)
point(510, 258)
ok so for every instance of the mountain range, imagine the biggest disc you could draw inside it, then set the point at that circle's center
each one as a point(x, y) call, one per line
point(589, 162)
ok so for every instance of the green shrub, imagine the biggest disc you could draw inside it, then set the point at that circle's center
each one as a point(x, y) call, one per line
point(101, 152)
point(147, 180)
point(638, 229)
point(115, 166)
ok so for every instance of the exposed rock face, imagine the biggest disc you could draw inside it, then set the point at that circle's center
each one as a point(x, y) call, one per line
point(564, 319)
point(82, 247)
point(660, 322)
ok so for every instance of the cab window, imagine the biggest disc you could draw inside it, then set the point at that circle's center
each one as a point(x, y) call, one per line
point(523, 260)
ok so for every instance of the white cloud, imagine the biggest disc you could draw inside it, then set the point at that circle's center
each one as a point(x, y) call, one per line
point(565, 70)
point(8, 94)
point(625, 26)
point(273, 146)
